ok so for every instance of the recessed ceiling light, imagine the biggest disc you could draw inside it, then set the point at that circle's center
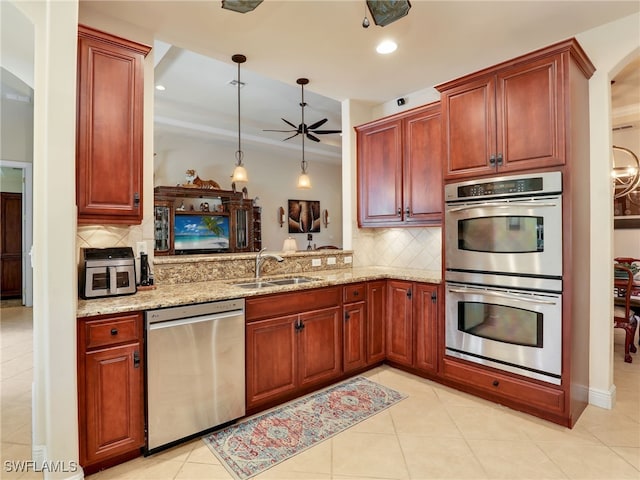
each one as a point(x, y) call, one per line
point(387, 46)
point(160, 87)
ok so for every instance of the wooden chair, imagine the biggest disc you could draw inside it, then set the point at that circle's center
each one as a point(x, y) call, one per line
point(623, 316)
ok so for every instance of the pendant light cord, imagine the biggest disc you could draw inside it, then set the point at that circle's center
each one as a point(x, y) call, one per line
point(304, 133)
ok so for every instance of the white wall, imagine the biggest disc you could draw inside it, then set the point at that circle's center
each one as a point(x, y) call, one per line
point(16, 129)
point(272, 178)
point(609, 47)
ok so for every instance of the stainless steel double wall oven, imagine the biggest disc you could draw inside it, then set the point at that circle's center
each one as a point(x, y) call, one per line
point(503, 272)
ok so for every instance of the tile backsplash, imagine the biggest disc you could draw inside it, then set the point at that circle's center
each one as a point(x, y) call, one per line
point(398, 247)
point(102, 236)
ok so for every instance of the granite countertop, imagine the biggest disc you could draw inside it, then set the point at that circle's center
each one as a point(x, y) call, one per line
point(199, 292)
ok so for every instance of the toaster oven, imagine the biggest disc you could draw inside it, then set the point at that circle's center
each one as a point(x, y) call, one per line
point(107, 272)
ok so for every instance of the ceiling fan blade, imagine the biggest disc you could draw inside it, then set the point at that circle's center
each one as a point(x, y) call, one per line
point(311, 137)
point(324, 132)
point(289, 123)
point(285, 131)
point(317, 124)
point(294, 135)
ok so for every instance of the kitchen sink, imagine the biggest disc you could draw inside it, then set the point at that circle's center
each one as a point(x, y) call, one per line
point(255, 284)
point(275, 282)
point(292, 281)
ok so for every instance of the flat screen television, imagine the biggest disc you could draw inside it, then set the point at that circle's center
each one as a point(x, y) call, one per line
point(201, 233)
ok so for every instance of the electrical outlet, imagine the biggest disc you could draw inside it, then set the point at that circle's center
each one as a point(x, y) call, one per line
point(347, 259)
point(141, 247)
point(316, 262)
point(331, 261)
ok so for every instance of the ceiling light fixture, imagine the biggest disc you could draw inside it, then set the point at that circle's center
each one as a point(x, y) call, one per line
point(387, 46)
point(241, 6)
point(303, 180)
point(385, 12)
point(239, 172)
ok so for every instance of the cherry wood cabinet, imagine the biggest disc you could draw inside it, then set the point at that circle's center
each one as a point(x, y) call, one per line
point(400, 169)
point(109, 148)
point(412, 319)
point(376, 321)
point(513, 116)
point(294, 342)
point(354, 332)
point(110, 389)
point(10, 245)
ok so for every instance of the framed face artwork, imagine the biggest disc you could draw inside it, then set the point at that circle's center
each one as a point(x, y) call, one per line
point(304, 216)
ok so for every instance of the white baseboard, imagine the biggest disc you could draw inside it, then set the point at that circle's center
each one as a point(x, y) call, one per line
point(603, 398)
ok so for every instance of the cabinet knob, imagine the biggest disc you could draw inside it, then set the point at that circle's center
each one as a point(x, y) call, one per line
point(136, 359)
point(496, 383)
point(136, 200)
point(407, 211)
point(499, 160)
point(355, 294)
point(399, 211)
point(492, 160)
point(347, 316)
point(114, 331)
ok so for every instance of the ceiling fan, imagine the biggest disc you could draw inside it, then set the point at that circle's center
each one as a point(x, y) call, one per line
point(309, 130)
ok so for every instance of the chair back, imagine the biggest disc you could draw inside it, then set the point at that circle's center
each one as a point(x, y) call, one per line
point(623, 280)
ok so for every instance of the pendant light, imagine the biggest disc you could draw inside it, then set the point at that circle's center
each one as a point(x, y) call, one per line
point(303, 180)
point(239, 172)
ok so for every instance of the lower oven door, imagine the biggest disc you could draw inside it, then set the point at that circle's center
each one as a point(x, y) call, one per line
point(514, 330)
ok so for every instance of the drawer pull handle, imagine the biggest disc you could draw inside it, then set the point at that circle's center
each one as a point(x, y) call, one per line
point(136, 359)
point(114, 331)
point(496, 383)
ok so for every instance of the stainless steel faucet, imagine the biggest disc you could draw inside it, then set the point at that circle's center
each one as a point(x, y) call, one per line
point(260, 258)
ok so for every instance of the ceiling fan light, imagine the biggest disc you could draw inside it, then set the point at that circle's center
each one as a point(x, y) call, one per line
point(241, 6)
point(239, 174)
point(304, 181)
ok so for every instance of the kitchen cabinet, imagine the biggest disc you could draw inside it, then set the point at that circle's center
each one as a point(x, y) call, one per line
point(109, 148)
point(514, 116)
point(110, 389)
point(412, 319)
point(354, 332)
point(399, 169)
point(293, 342)
point(376, 321)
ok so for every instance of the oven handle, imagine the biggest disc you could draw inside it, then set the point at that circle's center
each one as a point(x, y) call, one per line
point(502, 205)
point(502, 295)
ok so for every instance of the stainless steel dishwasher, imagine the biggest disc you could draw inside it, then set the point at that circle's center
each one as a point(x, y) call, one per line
point(195, 370)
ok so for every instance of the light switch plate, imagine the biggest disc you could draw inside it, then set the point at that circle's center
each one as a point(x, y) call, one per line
point(316, 262)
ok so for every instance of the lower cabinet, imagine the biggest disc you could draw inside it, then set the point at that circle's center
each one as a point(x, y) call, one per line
point(354, 329)
point(110, 389)
point(411, 328)
point(376, 321)
point(293, 341)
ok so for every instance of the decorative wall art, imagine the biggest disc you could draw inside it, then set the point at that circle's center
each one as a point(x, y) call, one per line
point(304, 216)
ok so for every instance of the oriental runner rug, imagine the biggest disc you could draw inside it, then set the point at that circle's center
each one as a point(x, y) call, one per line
point(261, 442)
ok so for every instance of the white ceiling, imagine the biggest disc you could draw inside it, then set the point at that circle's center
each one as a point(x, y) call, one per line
point(325, 42)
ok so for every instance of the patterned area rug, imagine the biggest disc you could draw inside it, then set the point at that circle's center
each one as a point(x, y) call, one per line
point(258, 443)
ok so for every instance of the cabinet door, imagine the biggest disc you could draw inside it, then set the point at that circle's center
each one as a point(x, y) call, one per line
point(376, 315)
point(425, 317)
point(468, 120)
point(380, 174)
point(530, 115)
point(354, 336)
point(423, 167)
point(271, 359)
point(399, 322)
point(113, 403)
point(109, 128)
point(319, 344)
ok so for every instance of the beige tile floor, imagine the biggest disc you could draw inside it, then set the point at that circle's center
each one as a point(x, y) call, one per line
point(436, 433)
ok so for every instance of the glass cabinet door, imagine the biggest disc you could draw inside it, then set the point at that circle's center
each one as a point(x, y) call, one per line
point(162, 228)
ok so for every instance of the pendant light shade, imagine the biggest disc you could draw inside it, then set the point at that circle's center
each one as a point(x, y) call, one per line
point(303, 180)
point(239, 172)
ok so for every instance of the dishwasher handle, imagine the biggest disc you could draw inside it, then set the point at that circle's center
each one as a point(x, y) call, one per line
point(157, 325)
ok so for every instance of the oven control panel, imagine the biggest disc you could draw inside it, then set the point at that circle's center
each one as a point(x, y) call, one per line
point(537, 184)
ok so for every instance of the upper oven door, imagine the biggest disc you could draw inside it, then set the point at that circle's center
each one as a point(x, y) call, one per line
point(521, 236)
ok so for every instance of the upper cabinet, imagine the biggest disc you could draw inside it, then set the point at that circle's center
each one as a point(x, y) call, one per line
point(109, 128)
point(514, 116)
point(400, 169)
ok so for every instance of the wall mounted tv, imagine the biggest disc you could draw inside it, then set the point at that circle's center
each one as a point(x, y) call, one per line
point(201, 233)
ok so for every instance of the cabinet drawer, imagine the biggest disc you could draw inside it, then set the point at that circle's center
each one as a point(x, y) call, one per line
point(511, 388)
point(100, 333)
point(354, 293)
point(291, 303)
